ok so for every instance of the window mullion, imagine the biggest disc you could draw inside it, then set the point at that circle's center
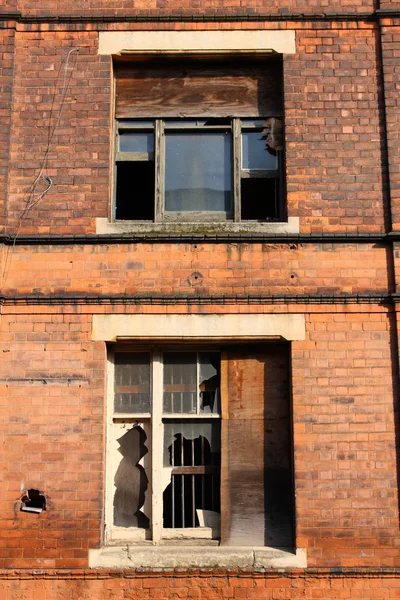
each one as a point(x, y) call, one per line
point(157, 436)
point(197, 384)
point(281, 179)
point(237, 161)
point(160, 170)
point(111, 447)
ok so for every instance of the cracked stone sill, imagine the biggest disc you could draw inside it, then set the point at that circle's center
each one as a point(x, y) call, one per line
point(132, 556)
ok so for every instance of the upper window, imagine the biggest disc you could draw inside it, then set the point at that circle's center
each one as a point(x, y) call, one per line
point(199, 143)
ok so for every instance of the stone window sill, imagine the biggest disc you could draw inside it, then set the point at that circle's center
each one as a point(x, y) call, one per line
point(170, 557)
point(104, 227)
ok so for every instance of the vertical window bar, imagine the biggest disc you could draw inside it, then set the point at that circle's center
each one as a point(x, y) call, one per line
point(182, 485)
point(203, 476)
point(193, 496)
point(282, 208)
point(237, 165)
point(173, 486)
point(114, 172)
point(198, 384)
point(173, 500)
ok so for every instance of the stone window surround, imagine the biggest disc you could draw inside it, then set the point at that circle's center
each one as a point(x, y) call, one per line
point(181, 43)
point(205, 328)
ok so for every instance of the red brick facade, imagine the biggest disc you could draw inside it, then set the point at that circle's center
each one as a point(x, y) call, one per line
point(341, 271)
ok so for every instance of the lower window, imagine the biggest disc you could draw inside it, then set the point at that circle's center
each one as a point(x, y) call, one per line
point(199, 445)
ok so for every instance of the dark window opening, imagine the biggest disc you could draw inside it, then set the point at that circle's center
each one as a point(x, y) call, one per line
point(259, 199)
point(192, 497)
point(135, 191)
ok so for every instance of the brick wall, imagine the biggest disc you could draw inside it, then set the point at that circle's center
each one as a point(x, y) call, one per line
point(344, 375)
point(332, 109)
point(222, 269)
point(6, 78)
point(391, 70)
point(78, 159)
point(172, 7)
point(215, 585)
point(334, 162)
point(345, 473)
point(53, 382)
point(343, 401)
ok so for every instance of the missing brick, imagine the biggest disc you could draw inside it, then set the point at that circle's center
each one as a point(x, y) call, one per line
point(33, 501)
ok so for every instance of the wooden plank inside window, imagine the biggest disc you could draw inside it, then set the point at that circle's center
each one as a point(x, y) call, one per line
point(256, 488)
point(194, 89)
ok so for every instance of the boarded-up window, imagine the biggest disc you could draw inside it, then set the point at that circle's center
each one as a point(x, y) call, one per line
point(256, 489)
point(195, 89)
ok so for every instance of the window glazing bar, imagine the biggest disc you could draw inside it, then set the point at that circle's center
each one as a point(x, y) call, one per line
point(157, 448)
point(160, 171)
point(237, 163)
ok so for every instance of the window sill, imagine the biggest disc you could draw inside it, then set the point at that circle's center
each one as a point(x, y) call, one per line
point(195, 556)
point(104, 227)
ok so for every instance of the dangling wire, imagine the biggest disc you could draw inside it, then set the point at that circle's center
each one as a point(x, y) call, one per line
point(32, 196)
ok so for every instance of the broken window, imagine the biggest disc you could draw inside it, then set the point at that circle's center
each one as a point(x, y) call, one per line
point(198, 142)
point(199, 445)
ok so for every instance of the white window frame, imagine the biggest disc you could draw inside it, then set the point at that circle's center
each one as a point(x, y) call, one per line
point(152, 424)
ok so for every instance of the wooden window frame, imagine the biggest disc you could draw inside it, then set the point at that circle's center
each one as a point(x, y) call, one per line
point(152, 423)
point(236, 126)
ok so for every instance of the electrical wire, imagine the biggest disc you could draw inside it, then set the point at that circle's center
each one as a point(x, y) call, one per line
point(32, 196)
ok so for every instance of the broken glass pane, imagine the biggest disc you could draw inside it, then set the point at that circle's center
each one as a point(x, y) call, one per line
point(252, 123)
point(135, 190)
point(198, 172)
point(132, 382)
point(209, 383)
point(260, 198)
point(255, 152)
point(180, 390)
point(131, 481)
point(192, 458)
point(192, 442)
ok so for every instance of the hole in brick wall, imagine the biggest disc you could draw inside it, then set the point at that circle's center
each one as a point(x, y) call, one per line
point(195, 278)
point(33, 501)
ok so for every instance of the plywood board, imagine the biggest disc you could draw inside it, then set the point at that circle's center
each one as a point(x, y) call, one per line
point(256, 491)
point(193, 90)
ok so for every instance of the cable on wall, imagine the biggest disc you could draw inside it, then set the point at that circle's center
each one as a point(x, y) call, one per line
point(33, 196)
